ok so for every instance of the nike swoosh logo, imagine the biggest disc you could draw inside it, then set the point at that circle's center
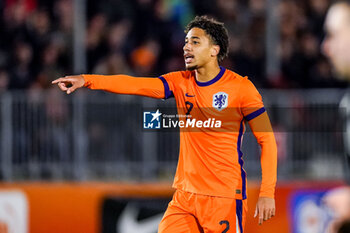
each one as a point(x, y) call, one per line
point(188, 95)
point(128, 221)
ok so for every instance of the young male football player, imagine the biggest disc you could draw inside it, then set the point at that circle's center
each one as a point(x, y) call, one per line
point(210, 181)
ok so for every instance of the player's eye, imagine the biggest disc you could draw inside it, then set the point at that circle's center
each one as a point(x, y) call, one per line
point(195, 42)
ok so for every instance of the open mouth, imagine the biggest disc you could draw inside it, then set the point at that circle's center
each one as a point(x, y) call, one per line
point(188, 58)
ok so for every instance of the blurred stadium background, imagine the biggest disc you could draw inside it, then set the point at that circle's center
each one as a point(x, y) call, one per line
point(63, 147)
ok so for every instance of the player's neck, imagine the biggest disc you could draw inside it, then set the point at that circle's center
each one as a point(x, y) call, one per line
point(205, 74)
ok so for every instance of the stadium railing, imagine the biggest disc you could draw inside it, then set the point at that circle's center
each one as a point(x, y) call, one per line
point(89, 135)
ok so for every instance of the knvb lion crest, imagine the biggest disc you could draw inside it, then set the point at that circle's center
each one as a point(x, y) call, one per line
point(220, 100)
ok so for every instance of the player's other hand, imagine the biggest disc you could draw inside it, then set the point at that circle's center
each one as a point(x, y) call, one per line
point(265, 209)
point(70, 83)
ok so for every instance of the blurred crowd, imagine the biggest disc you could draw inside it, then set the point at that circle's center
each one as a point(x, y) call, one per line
point(145, 38)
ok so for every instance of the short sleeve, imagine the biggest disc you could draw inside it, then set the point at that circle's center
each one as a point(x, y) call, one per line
point(251, 101)
point(170, 81)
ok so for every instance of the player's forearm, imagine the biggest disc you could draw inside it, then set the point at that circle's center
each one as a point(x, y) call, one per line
point(124, 84)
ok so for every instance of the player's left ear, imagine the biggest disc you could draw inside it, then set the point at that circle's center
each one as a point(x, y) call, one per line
point(215, 50)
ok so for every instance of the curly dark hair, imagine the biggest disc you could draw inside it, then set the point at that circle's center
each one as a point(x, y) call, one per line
point(340, 1)
point(344, 1)
point(216, 31)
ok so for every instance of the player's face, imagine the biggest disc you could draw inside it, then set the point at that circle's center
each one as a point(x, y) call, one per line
point(198, 49)
point(336, 45)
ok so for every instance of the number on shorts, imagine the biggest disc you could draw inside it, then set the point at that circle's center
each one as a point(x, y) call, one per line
point(227, 225)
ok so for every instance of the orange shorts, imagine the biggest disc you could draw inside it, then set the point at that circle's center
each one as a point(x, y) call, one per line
point(196, 213)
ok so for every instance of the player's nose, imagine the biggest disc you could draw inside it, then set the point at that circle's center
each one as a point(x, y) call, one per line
point(186, 47)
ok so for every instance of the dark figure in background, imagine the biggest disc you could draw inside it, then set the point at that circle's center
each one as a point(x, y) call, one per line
point(336, 47)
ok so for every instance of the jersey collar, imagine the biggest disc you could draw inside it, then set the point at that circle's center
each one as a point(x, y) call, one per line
point(221, 73)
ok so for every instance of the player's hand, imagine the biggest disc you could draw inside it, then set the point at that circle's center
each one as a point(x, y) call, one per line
point(70, 83)
point(265, 209)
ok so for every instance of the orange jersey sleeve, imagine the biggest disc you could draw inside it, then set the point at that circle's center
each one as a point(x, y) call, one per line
point(251, 100)
point(254, 112)
point(263, 133)
point(124, 84)
point(172, 82)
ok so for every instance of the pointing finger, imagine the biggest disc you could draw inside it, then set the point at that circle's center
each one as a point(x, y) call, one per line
point(65, 79)
point(58, 80)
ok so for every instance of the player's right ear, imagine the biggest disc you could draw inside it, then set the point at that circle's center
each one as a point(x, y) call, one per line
point(215, 50)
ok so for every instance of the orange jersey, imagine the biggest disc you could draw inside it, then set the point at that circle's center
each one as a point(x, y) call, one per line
point(210, 161)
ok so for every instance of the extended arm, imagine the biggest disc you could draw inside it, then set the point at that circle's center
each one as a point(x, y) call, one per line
point(121, 84)
point(261, 127)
